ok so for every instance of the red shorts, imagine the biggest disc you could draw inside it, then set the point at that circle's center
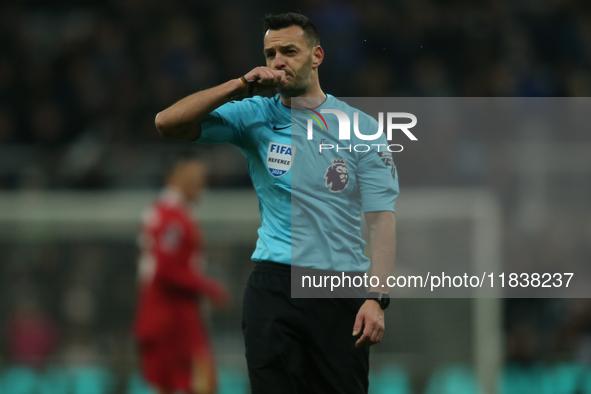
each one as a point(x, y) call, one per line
point(169, 365)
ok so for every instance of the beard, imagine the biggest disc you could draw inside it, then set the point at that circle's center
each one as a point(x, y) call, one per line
point(300, 82)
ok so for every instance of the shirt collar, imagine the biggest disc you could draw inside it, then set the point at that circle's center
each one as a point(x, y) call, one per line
point(173, 196)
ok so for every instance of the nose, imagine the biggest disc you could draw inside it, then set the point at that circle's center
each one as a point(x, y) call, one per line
point(279, 63)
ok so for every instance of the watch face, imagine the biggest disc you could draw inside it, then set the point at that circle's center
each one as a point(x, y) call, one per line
point(381, 298)
point(384, 300)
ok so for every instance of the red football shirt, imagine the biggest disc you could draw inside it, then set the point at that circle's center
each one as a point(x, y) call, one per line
point(173, 342)
point(170, 278)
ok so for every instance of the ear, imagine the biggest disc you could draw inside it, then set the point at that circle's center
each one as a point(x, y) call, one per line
point(317, 56)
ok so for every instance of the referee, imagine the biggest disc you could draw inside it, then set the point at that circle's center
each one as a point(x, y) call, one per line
point(310, 203)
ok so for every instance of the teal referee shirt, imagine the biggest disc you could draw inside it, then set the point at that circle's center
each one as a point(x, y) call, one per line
point(310, 202)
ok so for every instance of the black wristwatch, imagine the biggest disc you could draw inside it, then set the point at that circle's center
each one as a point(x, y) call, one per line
point(382, 298)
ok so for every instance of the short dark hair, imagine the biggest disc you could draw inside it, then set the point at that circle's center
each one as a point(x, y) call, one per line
point(283, 21)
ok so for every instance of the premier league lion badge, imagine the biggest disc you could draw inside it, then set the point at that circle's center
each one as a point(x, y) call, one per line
point(337, 176)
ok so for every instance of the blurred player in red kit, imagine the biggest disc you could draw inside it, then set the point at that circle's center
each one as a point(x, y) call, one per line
point(175, 352)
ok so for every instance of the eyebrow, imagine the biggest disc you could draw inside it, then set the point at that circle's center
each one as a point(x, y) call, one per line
point(288, 46)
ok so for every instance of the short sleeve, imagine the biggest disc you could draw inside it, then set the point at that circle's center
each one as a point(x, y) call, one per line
point(377, 178)
point(229, 123)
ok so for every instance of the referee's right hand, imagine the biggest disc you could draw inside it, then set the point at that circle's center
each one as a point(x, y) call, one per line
point(265, 78)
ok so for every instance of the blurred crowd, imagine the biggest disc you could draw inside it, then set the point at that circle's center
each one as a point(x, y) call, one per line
point(55, 305)
point(78, 79)
point(67, 309)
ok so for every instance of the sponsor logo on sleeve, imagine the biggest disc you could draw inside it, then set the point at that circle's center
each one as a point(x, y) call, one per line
point(388, 161)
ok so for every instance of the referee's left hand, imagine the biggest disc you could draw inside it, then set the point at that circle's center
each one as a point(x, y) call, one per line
point(370, 318)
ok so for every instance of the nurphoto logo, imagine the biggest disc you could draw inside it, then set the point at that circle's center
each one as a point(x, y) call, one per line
point(345, 130)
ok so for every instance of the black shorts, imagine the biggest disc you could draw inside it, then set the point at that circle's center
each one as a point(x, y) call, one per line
point(300, 345)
